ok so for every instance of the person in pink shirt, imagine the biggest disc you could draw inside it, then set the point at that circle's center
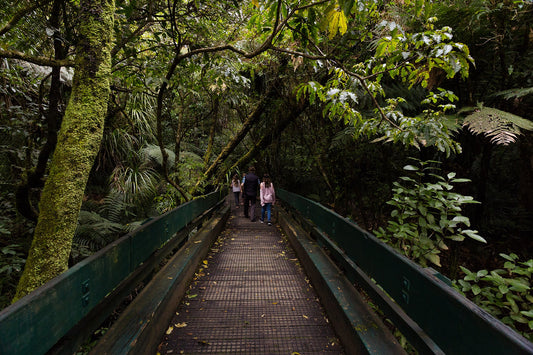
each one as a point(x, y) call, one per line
point(268, 197)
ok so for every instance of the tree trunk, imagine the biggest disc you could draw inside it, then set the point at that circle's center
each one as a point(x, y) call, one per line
point(53, 117)
point(289, 116)
point(251, 120)
point(78, 144)
point(212, 131)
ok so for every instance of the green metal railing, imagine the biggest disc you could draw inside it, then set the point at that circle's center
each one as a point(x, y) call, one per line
point(36, 322)
point(457, 325)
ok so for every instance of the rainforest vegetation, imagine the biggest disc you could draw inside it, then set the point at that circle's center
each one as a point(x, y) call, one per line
point(411, 117)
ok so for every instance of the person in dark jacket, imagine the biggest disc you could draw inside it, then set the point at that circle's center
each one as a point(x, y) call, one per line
point(249, 188)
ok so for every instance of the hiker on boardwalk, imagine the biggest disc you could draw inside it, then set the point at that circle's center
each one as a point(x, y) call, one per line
point(242, 191)
point(268, 197)
point(236, 188)
point(249, 188)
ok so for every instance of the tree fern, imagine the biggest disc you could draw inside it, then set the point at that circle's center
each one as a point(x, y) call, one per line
point(515, 93)
point(95, 231)
point(153, 153)
point(343, 138)
point(115, 206)
point(500, 126)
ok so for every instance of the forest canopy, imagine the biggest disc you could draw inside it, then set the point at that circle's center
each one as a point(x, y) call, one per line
point(116, 111)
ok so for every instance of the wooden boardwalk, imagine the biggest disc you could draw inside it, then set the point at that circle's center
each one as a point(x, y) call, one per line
point(250, 297)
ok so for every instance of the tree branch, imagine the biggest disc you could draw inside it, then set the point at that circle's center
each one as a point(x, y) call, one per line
point(366, 88)
point(20, 14)
point(239, 136)
point(267, 139)
point(43, 61)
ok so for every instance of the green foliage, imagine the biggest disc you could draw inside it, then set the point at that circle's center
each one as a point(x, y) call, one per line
point(190, 168)
point(515, 93)
point(505, 293)
point(97, 229)
point(414, 58)
point(167, 201)
point(11, 263)
point(152, 152)
point(427, 214)
point(430, 128)
point(500, 126)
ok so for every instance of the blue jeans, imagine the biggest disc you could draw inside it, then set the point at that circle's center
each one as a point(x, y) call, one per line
point(267, 207)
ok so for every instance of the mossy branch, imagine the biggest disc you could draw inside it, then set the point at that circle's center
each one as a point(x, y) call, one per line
point(39, 60)
point(20, 14)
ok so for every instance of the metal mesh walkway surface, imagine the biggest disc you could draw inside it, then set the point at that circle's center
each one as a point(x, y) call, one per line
point(250, 297)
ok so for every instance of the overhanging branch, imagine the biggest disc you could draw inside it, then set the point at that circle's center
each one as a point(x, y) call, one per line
point(43, 61)
point(20, 14)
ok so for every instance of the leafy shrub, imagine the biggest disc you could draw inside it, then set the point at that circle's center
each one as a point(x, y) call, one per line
point(426, 214)
point(11, 265)
point(504, 293)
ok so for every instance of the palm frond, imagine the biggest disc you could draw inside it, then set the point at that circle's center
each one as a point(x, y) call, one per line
point(117, 146)
point(134, 182)
point(500, 126)
point(141, 108)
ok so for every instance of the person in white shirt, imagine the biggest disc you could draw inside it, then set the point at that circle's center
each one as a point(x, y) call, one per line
point(236, 188)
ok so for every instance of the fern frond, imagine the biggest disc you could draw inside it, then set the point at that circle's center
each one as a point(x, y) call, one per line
point(343, 138)
point(94, 231)
point(130, 227)
point(500, 126)
point(515, 93)
point(152, 152)
point(114, 206)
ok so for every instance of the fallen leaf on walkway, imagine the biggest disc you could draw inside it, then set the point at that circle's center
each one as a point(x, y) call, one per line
point(203, 342)
point(192, 296)
point(169, 330)
point(306, 317)
point(180, 325)
point(205, 262)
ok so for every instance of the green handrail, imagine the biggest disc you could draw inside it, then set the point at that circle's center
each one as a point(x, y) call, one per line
point(456, 324)
point(36, 322)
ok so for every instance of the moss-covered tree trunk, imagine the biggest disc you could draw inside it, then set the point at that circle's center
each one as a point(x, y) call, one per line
point(78, 143)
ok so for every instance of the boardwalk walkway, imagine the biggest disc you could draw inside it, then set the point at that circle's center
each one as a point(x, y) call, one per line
point(250, 298)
